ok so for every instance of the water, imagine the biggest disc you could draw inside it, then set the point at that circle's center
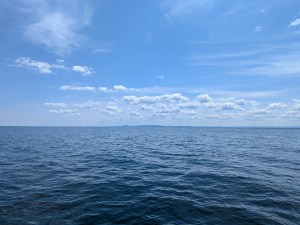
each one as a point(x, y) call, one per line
point(149, 175)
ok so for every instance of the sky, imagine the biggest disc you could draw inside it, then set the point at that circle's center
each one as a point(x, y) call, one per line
point(158, 62)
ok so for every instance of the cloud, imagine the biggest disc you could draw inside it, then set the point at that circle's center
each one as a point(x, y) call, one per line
point(120, 88)
point(183, 8)
point(64, 111)
point(90, 104)
point(104, 89)
point(177, 97)
point(56, 104)
point(57, 26)
point(296, 100)
point(282, 65)
point(45, 67)
point(259, 112)
point(41, 67)
point(77, 88)
point(113, 108)
point(82, 69)
point(258, 28)
point(295, 23)
point(178, 109)
point(204, 98)
point(115, 88)
point(251, 63)
point(277, 105)
point(228, 106)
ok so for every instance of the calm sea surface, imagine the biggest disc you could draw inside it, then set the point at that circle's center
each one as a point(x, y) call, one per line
point(149, 175)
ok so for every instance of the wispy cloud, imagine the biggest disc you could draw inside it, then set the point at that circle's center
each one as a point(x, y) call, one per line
point(71, 112)
point(251, 63)
point(183, 8)
point(77, 88)
point(295, 23)
point(258, 28)
point(56, 104)
point(57, 26)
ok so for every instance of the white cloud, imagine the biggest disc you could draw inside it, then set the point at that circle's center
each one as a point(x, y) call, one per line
point(64, 111)
point(177, 97)
point(229, 106)
point(105, 89)
point(204, 98)
point(259, 112)
point(161, 77)
point(56, 104)
point(77, 88)
point(253, 62)
point(258, 28)
point(45, 67)
point(115, 88)
point(296, 100)
point(120, 88)
point(90, 104)
point(178, 109)
point(28, 63)
point(296, 107)
point(113, 108)
point(295, 23)
point(57, 26)
point(240, 102)
point(284, 65)
point(82, 69)
point(277, 105)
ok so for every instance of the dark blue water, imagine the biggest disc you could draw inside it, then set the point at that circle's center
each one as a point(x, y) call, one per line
point(149, 175)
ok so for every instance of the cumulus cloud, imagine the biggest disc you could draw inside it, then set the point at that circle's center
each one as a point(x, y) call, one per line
point(82, 69)
point(120, 88)
point(204, 98)
point(177, 108)
point(277, 105)
point(77, 88)
point(113, 108)
point(28, 63)
point(259, 112)
point(229, 106)
point(177, 97)
point(295, 23)
point(104, 89)
point(57, 28)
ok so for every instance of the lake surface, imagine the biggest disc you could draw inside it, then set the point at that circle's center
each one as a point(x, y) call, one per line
point(149, 175)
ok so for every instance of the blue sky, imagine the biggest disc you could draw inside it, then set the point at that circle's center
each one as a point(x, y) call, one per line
point(166, 62)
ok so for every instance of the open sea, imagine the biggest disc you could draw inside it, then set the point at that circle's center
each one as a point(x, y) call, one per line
point(149, 175)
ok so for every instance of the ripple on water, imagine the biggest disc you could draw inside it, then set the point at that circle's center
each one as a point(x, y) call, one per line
point(149, 175)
